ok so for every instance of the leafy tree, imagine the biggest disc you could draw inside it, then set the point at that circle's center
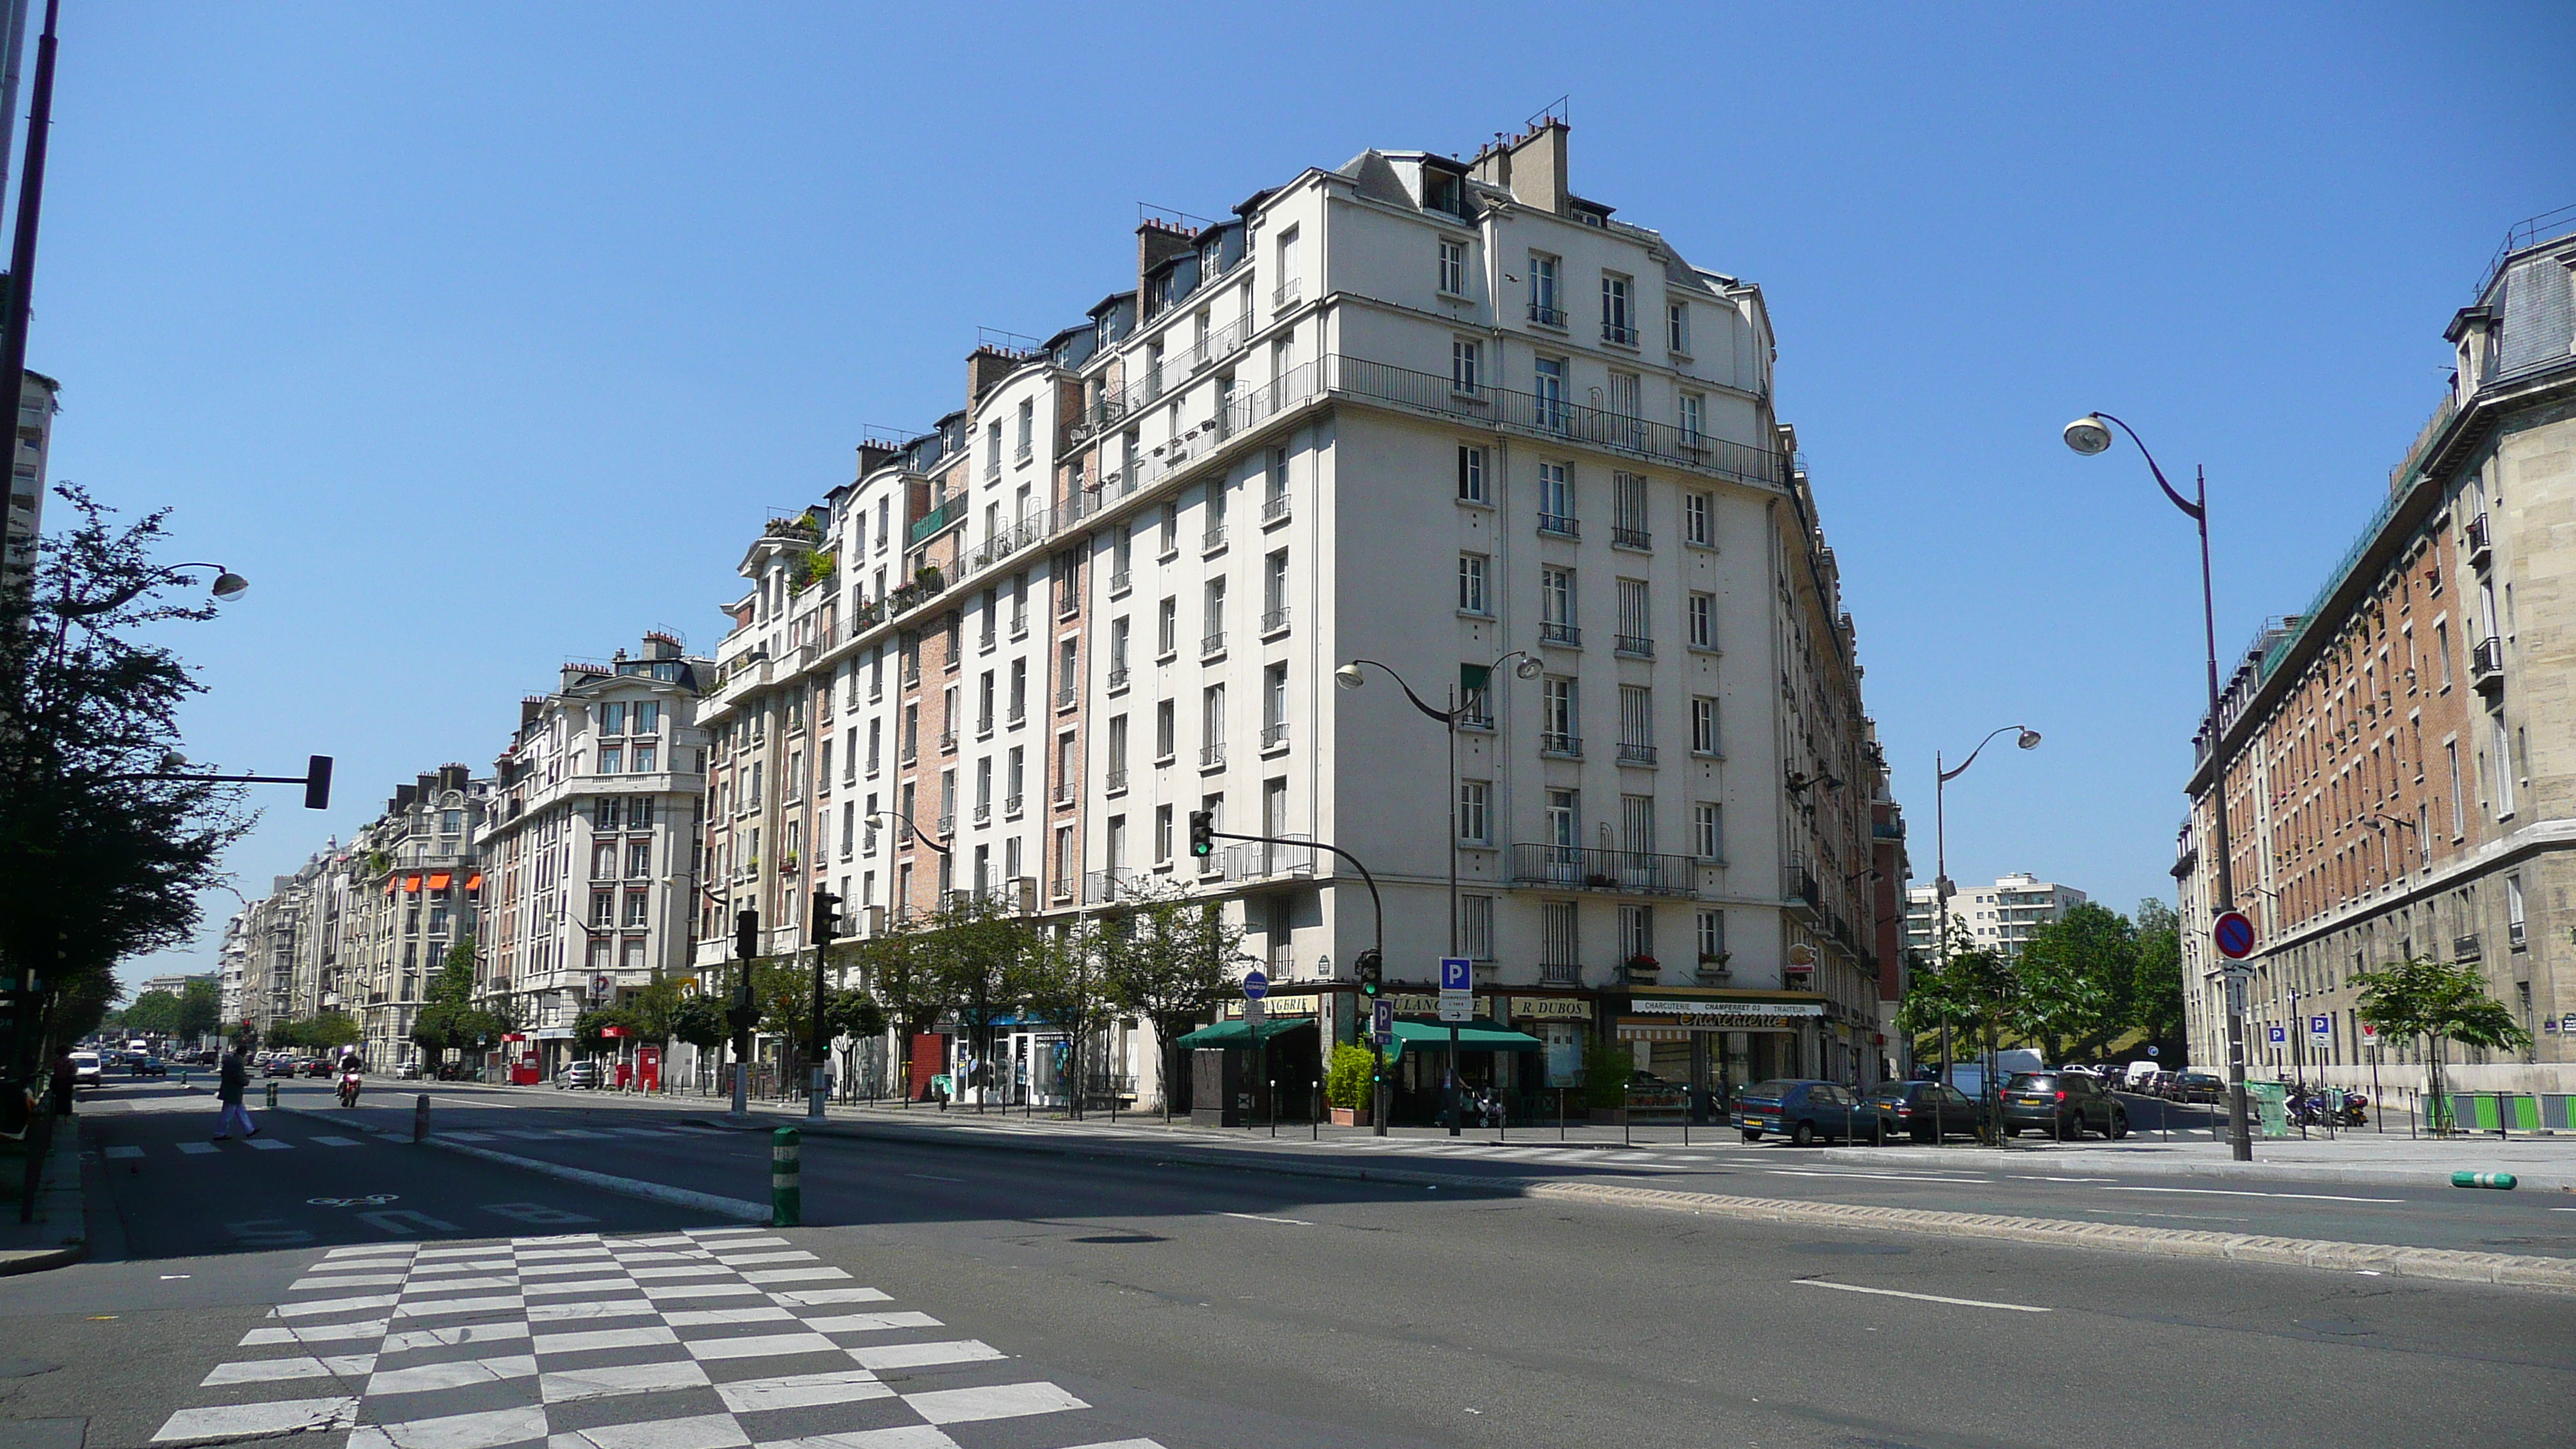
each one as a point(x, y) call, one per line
point(103, 865)
point(153, 1011)
point(2437, 1001)
point(2156, 1000)
point(590, 1029)
point(1065, 982)
point(199, 1005)
point(973, 953)
point(1170, 959)
point(2076, 983)
point(699, 1021)
point(447, 1018)
point(330, 1029)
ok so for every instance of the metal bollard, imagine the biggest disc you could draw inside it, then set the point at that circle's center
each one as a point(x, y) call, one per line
point(2504, 1180)
point(420, 1118)
point(272, 1094)
point(786, 1195)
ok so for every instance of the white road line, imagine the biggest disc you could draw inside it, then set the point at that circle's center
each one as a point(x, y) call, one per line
point(335, 1305)
point(605, 1308)
point(699, 1270)
point(871, 1322)
point(1123, 1444)
point(487, 1430)
point(374, 1250)
point(933, 1177)
point(245, 1421)
point(1923, 1297)
point(998, 1401)
point(710, 1431)
point(454, 1375)
point(345, 1280)
point(795, 1275)
point(2239, 1192)
point(589, 1339)
point(800, 1391)
point(2030, 1177)
point(318, 1333)
point(705, 1290)
point(922, 1355)
point(738, 1260)
point(1258, 1218)
point(1883, 1176)
point(586, 1285)
point(571, 1385)
point(269, 1370)
point(196, 1149)
point(271, 1144)
point(125, 1152)
point(459, 1305)
point(451, 1336)
point(805, 1297)
point(701, 1317)
point(338, 1141)
point(761, 1346)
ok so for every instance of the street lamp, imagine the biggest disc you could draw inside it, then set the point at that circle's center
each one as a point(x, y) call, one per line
point(1942, 890)
point(1351, 676)
point(2090, 435)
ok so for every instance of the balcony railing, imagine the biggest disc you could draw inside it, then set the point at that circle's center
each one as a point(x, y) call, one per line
point(1274, 508)
point(1625, 872)
point(2480, 544)
point(1545, 315)
point(1065, 793)
point(947, 825)
point(1569, 746)
point(1637, 538)
point(1115, 782)
point(1065, 697)
point(1560, 973)
point(1101, 887)
point(1211, 643)
point(1120, 582)
point(1561, 524)
point(1275, 621)
point(1213, 539)
point(1274, 736)
point(931, 523)
point(1636, 754)
point(2486, 663)
point(1212, 756)
point(1635, 646)
point(948, 742)
point(1011, 803)
point(1619, 332)
point(1566, 634)
point(1117, 678)
point(984, 813)
point(1285, 294)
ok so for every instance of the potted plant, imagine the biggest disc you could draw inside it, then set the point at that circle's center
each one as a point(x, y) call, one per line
point(927, 579)
point(1712, 965)
point(1348, 1082)
point(1641, 967)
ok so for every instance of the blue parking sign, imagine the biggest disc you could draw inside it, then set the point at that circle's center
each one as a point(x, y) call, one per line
point(1457, 973)
point(2276, 1034)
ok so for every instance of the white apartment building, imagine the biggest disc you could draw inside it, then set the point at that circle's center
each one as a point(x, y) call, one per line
point(1426, 414)
point(414, 878)
point(37, 405)
point(588, 857)
point(1999, 918)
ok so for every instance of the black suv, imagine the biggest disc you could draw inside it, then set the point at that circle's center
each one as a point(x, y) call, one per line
point(2064, 1105)
point(1925, 1111)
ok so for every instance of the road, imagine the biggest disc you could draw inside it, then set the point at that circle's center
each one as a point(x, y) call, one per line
point(1182, 1306)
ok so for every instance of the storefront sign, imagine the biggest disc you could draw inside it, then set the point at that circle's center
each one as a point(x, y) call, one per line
point(1674, 1026)
point(1551, 1008)
point(554, 1033)
point(1664, 1006)
point(1275, 1004)
point(1415, 1003)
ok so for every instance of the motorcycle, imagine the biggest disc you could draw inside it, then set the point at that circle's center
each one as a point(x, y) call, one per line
point(349, 1090)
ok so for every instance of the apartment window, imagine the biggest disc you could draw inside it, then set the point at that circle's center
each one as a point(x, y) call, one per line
point(1705, 842)
point(1162, 835)
point(2442, 649)
point(1453, 267)
point(993, 449)
point(1476, 927)
point(604, 813)
point(612, 719)
point(1636, 621)
point(1117, 766)
point(984, 790)
point(1556, 606)
point(1122, 555)
point(1471, 584)
point(1462, 365)
point(949, 714)
point(988, 619)
point(1274, 706)
point(1065, 682)
point(1028, 429)
point(1698, 528)
point(2503, 765)
point(1556, 499)
point(1558, 730)
point(1702, 618)
point(849, 821)
point(1019, 690)
point(911, 733)
point(1167, 628)
point(1560, 953)
point(1547, 393)
point(1274, 486)
point(612, 760)
point(1274, 593)
point(1703, 725)
point(1170, 530)
point(1216, 502)
point(1288, 278)
point(1471, 474)
point(983, 704)
point(1637, 824)
point(639, 813)
point(1628, 520)
point(1212, 616)
point(1542, 290)
point(1636, 725)
point(1677, 326)
point(639, 860)
point(638, 909)
point(1062, 865)
point(2513, 908)
point(1564, 818)
point(603, 860)
point(1712, 936)
point(1165, 732)
point(1015, 779)
point(1212, 726)
point(1474, 826)
point(647, 718)
point(1019, 605)
point(603, 909)
point(1636, 933)
point(1065, 769)
point(1118, 654)
point(1692, 417)
point(1618, 318)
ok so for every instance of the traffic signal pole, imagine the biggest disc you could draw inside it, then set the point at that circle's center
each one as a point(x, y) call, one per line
point(826, 923)
point(1203, 836)
point(746, 945)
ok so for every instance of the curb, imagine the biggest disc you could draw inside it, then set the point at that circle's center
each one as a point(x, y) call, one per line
point(2446, 1264)
point(60, 1199)
point(738, 1209)
point(2187, 1167)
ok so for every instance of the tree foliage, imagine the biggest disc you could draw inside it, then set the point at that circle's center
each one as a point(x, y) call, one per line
point(1169, 959)
point(2075, 983)
point(2437, 1001)
point(2156, 1000)
point(103, 865)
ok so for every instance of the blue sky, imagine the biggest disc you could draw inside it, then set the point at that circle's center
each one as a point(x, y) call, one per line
point(480, 336)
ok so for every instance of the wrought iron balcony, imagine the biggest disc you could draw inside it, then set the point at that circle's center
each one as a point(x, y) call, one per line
point(2486, 664)
point(1621, 333)
point(1569, 746)
point(1274, 736)
point(1545, 315)
point(1636, 538)
point(1274, 508)
point(1212, 756)
point(1560, 524)
point(1622, 872)
point(1114, 782)
point(1635, 646)
point(2480, 545)
point(1636, 754)
point(1274, 622)
point(1565, 634)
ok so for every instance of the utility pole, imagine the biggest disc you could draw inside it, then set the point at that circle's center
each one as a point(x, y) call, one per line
point(746, 945)
point(31, 205)
point(826, 918)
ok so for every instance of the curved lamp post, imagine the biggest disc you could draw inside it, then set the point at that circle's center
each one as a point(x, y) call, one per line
point(2091, 435)
point(1351, 676)
point(1941, 887)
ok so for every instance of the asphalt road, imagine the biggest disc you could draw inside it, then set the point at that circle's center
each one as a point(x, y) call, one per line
point(2429, 1215)
point(1186, 1307)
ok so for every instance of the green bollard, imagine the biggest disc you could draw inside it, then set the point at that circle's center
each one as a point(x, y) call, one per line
point(272, 1094)
point(786, 1197)
point(2504, 1180)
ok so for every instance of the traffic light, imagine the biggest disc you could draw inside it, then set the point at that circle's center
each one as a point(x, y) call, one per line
point(1202, 832)
point(1371, 970)
point(746, 934)
point(317, 782)
point(826, 917)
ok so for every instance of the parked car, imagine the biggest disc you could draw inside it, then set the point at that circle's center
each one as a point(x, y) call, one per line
point(1924, 1111)
point(85, 1070)
point(1806, 1110)
point(580, 1074)
point(2198, 1087)
point(316, 1067)
point(2063, 1105)
point(408, 1071)
point(146, 1066)
point(277, 1067)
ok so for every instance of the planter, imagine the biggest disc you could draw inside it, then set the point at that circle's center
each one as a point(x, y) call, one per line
point(1350, 1116)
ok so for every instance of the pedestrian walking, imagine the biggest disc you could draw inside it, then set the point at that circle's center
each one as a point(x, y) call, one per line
point(229, 1089)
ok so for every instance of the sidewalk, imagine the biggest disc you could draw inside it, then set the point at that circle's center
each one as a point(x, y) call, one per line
point(2539, 1163)
point(58, 1234)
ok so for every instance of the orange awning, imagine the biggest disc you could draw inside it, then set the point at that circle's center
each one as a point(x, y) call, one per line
point(474, 882)
point(411, 885)
point(438, 882)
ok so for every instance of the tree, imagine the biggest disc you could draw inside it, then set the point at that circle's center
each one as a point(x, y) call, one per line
point(329, 1029)
point(2077, 983)
point(447, 1017)
point(972, 951)
point(153, 1011)
point(2156, 1000)
point(1170, 959)
point(699, 1021)
point(199, 1005)
point(590, 1029)
point(1065, 983)
point(2437, 1001)
point(783, 990)
point(103, 864)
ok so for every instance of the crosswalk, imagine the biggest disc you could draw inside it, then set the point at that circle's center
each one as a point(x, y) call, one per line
point(268, 1141)
point(721, 1338)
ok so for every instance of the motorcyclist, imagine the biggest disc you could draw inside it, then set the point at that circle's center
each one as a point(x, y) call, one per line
point(349, 1081)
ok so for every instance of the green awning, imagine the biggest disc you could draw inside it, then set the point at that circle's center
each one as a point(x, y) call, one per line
point(1480, 1035)
point(1238, 1034)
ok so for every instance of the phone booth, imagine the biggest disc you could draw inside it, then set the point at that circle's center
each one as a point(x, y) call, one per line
point(521, 1054)
point(648, 1068)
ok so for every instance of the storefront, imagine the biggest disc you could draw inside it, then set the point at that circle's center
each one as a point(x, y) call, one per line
point(1562, 1024)
point(1493, 1064)
point(1245, 1073)
point(1703, 1044)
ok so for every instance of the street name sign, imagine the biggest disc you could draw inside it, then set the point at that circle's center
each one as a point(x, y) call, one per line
point(1457, 1009)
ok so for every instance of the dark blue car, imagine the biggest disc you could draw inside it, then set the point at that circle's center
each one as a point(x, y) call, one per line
point(1803, 1111)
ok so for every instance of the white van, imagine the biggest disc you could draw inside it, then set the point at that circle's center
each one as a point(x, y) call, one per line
point(1970, 1076)
point(2141, 1075)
